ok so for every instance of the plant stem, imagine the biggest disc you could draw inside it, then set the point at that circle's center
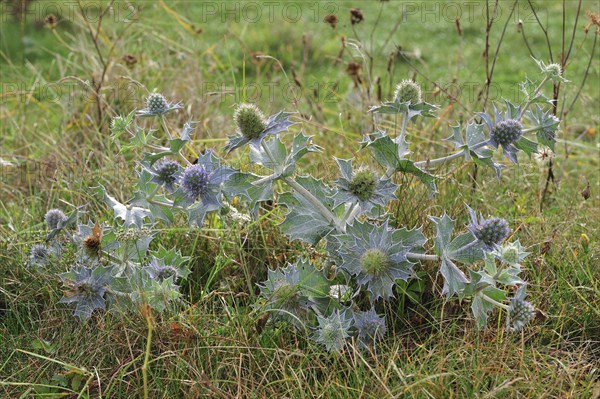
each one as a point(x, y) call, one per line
point(160, 203)
point(534, 129)
point(467, 246)
point(535, 92)
point(447, 158)
point(264, 179)
point(314, 201)
point(352, 211)
point(147, 355)
point(494, 302)
point(414, 256)
point(400, 140)
point(403, 129)
point(306, 194)
point(163, 123)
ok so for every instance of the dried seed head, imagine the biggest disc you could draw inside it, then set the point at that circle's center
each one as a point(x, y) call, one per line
point(332, 20)
point(51, 21)
point(130, 59)
point(356, 16)
point(92, 242)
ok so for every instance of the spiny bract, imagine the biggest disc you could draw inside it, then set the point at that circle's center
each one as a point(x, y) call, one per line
point(369, 325)
point(333, 331)
point(160, 272)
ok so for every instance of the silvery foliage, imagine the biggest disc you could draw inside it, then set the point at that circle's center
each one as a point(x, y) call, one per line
point(371, 255)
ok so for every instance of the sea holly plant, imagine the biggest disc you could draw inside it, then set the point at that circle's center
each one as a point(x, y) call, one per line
point(365, 257)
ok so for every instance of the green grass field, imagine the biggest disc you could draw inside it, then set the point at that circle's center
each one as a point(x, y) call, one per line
point(62, 85)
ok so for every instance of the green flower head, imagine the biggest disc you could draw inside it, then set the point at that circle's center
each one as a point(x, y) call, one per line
point(283, 295)
point(333, 330)
point(408, 91)
point(376, 255)
point(249, 120)
point(362, 187)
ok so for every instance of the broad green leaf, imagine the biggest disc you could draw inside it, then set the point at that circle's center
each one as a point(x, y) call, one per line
point(527, 146)
point(312, 281)
point(304, 222)
point(454, 279)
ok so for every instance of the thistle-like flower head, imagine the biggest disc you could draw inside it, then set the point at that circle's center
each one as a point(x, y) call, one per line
point(333, 330)
point(156, 105)
point(166, 172)
point(86, 288)
point(408, 91)
point(363, 184)
point(489, 232)
point(370, 326)
point(38, 255)
point(554, 70)
point(521, 312)
point(512, 253)
point(203, 181)
point(551, 71)
point(55, 218)
point(159, 271)
point(375, 262)
point(252, 126)
point(283, 295)
point(119, 124)
point(249, 121)
point(362, 187)
point(195, 181)
point(376, 255)
point(505, 131)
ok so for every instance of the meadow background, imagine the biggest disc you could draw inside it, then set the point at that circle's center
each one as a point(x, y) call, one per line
point(63, 79)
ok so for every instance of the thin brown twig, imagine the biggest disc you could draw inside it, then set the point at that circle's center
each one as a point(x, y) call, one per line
point(543, 30)
point(585, 75)
point(574, 31)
